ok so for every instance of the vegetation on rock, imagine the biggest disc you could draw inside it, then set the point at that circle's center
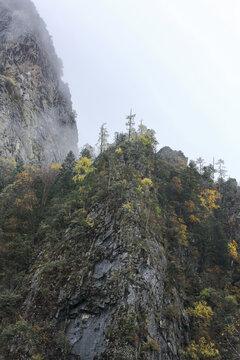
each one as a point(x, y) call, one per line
point(143, 251)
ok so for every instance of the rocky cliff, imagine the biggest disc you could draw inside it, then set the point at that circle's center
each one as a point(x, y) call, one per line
point(172, 156)
point(36, 117)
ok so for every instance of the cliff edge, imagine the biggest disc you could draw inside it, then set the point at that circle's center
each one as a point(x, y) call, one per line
point(37, 122)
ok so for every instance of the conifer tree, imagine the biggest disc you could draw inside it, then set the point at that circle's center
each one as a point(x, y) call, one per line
point(87, 151)
point(69, 161)
point(103, 136)
point(130, 124)
point(221, 169)
point(19, 164)
point(200, 162)
point(142, 129)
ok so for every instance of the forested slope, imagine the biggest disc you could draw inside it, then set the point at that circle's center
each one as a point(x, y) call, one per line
point(125, 256)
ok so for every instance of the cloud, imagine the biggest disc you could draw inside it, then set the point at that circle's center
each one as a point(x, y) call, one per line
point(22, 21)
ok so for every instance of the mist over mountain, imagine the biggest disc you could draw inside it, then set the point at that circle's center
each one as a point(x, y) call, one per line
point(37, 122)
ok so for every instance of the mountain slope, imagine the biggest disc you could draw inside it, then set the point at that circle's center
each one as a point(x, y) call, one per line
point(136, 259)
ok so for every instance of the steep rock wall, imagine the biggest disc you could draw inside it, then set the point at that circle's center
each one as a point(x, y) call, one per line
point(115, 300)
point(36, 117)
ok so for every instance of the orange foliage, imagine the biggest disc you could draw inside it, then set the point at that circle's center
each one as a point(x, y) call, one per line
point(189, 205)
point(177, 184)
point(25, 195)
point(180, 230)
point(194, 219)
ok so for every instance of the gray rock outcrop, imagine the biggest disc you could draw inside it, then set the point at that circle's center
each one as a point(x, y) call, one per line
point(37, 122)
point(119, 307)
point(172, 156)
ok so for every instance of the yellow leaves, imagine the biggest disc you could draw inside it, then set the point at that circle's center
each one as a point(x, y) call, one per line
point(146, 136)
point(182, 164)
point(82, 169)
point(201, 311)
point(27, 176)
point(89, 221)
point(24, 186)
point(118, 151)
point(208, 199)
point(128, 206)
point(232, 248)
point(177, 184)
point(231, 329)
point(55, 167)
point(27, 201)
point(235, 295)
point(37, 357)
point(147, 183)
point(189, 205)
point(194, 219)
point(207, 349)
point(26, 198)
point(8, 162)
point(201, 350)
point(152, 344)
point(37, 328)
point(144, 140)
point(180, 230)
point(11, 223)
point(192, 351)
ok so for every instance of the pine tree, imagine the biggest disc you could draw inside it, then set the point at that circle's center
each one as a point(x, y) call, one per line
point(87, 151)
point(103, 136)
point(130, 124)
point(69, 162)
point(200, 162)
point(221, 169)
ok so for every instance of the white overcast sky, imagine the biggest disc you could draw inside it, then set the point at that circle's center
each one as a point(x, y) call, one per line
point(176, 63)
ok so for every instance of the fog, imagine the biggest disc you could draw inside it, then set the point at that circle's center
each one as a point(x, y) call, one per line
point(176, 63)
point(26, 21)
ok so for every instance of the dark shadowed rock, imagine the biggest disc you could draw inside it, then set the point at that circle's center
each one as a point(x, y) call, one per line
point(172, 156)
point(36, 117)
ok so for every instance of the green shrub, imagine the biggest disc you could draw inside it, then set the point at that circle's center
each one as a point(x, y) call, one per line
point(172, 312)
point(20, 327)
point(8, 303)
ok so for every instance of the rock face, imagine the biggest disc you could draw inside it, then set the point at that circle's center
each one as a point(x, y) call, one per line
point(36, 117)
point(123, 301)
point(106, 288)
point(172, 156)
point(118, 307)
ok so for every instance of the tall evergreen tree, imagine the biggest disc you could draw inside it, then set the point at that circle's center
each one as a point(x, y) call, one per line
point(102, 139)
point(130, 124)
